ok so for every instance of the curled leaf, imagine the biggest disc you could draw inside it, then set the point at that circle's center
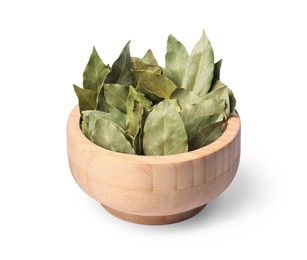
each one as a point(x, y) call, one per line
point(136, 102)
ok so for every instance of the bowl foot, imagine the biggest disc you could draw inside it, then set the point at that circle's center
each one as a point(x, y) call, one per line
point(154, 220)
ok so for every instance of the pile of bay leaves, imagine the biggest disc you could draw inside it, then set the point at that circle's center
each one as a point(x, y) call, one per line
point(139, 107)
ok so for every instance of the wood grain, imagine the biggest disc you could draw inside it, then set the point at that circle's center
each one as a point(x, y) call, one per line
point(135, 187)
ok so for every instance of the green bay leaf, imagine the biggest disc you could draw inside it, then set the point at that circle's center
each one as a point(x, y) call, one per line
point(155, 84)
point(87, 98)
point(206, 108)
point(219, 91)
point(206, 135)
point(175, 60)
point(116, 95)
point(185, 97)
point(149, 58)
point(164, 131)
point(232, 102)
point(217, 69)
point(108, 136)
point(121, 69)
point(114, 115)
point(136, 102)
point(95, 73)
point(140, 65)
point(200, 68)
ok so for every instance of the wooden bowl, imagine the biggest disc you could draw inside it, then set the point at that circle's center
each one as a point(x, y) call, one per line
point(153, 189)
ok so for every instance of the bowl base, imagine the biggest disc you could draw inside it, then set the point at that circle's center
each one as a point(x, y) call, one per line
point(154, 220)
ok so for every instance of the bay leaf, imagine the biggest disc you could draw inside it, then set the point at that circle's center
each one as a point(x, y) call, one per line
point(149, 58)
point(206, 108)
point(141, 88)
point(121, 69)
point(137, 141)
point(87, 98)
point(101, 102)
point(194, 126)
point(206, 135)
point(164, 131)
point(175, 60)
point(116, 95)
point(140, 97)
point(135, 111)
point(114, 115)
point(217, 69)
point(200, 67)
point(85, 128)
point(232, 103)
point(95, 73)
point(108, 136)
point(153, 83)
point(219, 91)
point(230, 98)
point(174, 103)
point(140, 65)
point(185, 97)
point(196, 116)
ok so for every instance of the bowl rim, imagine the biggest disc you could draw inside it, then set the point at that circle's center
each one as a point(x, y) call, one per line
point(233, 128)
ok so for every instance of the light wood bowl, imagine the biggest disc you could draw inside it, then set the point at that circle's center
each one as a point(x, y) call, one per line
point(153, 189)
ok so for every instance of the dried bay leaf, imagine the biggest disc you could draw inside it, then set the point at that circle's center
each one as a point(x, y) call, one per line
point(136, 102)
point(85, 127)
point(185, 97)
point(140, 65)
point(174, 103)
point(194, 126)
point(87, 98)
point(121, 69)
point(149, 58)
point(175, 60)
point(155, 84)
point(141, 88)
point(200, 67)
point(137, 141)
point(219, 91)
point(164, 131)
point(116, 95)
point(206, 108)
point(115, 116)
point(141, 98)
point(134, 115)
point(95, 73)
point(198, 116)
point(206, 135)
point(217, 69)
point(232, 102)
point(107, 135)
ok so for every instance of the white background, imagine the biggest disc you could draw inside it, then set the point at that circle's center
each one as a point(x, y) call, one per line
point(44, 47)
